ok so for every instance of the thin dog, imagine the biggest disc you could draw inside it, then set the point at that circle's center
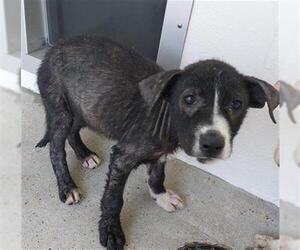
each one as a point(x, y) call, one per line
point(150, 112)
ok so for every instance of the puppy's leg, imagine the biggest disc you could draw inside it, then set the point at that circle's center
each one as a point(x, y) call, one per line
point(166, 199)
point(87, 158)
point(68, 191)
point(111, 233)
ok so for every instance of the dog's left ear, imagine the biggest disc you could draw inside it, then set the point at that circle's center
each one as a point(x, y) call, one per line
point(152, 87)
point(261, 92)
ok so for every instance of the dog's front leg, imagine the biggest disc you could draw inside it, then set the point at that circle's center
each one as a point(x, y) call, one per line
point(111, 233)
point(165, 198)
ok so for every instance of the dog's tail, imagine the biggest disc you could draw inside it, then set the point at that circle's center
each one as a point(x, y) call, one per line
point(42, 143)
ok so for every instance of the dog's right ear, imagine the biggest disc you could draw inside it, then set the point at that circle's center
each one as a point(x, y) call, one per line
point(152, 87)
point(261, 92)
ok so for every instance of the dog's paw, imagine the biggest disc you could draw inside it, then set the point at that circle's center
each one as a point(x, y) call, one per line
point(263, 241)
point(267, 242)
point(111, 234)
point(169, 201)
point(90, 162)
point(72, 197)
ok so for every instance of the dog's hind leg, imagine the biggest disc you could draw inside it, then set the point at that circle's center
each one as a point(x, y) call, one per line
point(165, 198)
point(59, 122)
point(60, 125)
point(87, 158)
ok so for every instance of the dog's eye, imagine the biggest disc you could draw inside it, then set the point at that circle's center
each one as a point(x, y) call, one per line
point(189, 99)
point(236, 104)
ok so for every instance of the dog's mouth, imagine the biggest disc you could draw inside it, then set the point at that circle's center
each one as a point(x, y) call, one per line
point(205, 160)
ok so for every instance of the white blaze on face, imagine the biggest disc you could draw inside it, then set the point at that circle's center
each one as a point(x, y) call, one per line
point(220, 124)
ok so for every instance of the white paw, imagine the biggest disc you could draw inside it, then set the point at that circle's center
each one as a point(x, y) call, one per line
point(169, 201)
point(267, 242)
point(263, 241)
point(73, 197)
point(92, 161)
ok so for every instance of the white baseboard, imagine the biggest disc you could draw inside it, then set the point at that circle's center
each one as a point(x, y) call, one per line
point(28, 81)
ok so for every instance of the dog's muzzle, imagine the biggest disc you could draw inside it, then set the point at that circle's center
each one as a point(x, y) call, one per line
point(212, 144)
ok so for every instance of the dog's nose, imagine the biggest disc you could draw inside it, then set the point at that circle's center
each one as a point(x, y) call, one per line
point(212, 143)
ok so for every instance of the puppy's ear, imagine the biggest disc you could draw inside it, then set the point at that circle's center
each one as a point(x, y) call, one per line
point(152, 87)
point(261, 92)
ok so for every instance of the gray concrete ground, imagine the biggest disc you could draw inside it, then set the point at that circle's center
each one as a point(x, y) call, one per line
point(215, 210)
point(10, 170)
point(289, 220)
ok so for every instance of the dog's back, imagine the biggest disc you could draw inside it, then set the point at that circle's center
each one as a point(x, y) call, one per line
point(86, 75)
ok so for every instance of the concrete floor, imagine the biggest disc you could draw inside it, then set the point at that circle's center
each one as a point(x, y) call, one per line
point(216, 211)
point(289, 220)
point(10, 170)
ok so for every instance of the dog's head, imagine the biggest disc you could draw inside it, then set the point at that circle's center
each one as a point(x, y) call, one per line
point(208, 101)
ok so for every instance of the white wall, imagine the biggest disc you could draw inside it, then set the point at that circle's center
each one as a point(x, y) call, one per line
point(13, 25)
point(244, 34)
point(10, 44)
point(289, 62)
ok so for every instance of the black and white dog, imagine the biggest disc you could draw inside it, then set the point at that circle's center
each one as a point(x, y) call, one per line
point(97, 83)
